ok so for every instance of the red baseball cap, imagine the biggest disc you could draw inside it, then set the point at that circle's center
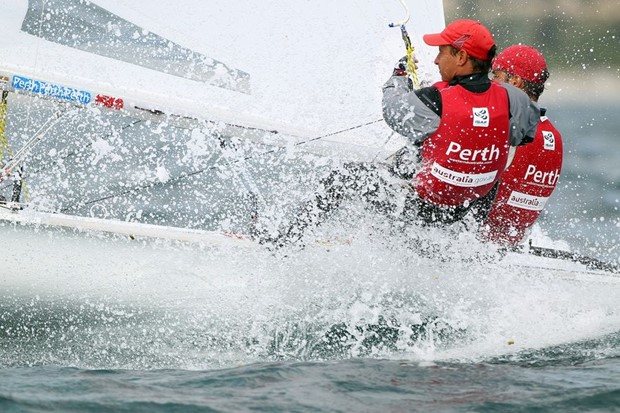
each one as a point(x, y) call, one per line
point(523, 61)
point(468, 35)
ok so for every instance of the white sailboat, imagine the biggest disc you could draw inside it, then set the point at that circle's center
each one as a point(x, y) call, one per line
point(178, 107)
point(279, 80)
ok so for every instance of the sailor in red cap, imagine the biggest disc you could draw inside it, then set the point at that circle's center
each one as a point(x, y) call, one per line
point(533, 174)
point(461, 127)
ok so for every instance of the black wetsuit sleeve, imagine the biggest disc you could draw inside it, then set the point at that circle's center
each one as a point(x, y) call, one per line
point(431, 97)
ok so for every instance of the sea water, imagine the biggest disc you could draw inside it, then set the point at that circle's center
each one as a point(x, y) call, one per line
point(367, 327)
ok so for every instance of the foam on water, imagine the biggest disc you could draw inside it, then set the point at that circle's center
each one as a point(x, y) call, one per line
point(107, 302)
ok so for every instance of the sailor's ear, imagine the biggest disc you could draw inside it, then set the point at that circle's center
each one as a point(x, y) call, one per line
point(462, 57)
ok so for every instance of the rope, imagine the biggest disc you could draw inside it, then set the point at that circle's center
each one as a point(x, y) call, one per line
point(203, 170)
point(3, 110)
point(75, 152)
point(407, 15)
point(18, 157)
point(412, 70)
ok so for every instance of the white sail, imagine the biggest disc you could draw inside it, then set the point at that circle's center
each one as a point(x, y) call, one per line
point(310, 68)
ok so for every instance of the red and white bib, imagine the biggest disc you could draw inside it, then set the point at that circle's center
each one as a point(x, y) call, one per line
point(526, 186)
point(465, 157)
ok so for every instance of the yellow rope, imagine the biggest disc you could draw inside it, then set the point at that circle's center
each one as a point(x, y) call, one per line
point(3, 107)
point(412, 69)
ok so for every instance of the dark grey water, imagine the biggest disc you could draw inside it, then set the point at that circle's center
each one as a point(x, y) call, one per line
point(534, 382)
point(585, 208)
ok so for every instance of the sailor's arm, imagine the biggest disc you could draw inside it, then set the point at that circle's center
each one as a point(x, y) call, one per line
point(406, 113)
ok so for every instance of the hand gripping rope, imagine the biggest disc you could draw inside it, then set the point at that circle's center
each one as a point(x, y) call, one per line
point(412, 70)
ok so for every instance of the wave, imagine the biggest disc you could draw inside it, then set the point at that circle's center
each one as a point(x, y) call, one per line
point(166, 306)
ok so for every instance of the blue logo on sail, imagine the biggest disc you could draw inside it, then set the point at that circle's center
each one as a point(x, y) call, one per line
point(50, 89)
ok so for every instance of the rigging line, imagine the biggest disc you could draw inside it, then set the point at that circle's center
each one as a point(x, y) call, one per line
point(246, 180)
point(405, 19)
point(7, 185)
point(76, 152)
point(36, 138)
point(17, 158)
point(389, 138)
point(361, 125)
point(203, 170)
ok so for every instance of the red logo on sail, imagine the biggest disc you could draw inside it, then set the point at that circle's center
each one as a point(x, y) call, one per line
point(110, 101)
